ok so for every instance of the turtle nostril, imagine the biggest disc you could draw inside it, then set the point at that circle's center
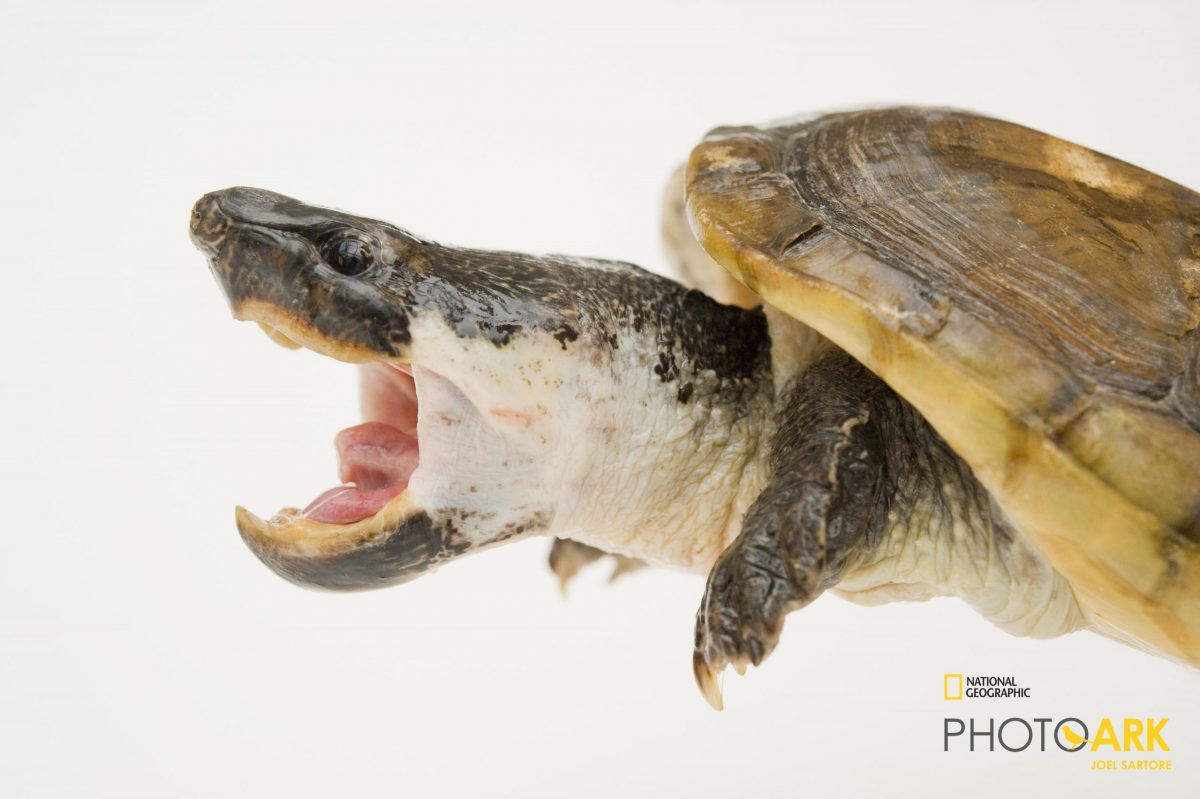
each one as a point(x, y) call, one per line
point(208, 223)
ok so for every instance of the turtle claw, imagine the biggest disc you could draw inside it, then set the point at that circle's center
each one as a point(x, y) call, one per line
point(741, 615)
point(708, 666)
point(568, 557)
point(625, 565)
point(706, 681)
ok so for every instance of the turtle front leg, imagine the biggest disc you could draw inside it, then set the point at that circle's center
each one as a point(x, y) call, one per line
point(823, 505)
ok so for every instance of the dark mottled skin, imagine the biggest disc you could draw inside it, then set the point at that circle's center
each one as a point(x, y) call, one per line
point(270, 248)
point(847, 453)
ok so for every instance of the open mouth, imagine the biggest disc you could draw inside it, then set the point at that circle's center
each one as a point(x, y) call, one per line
point(377, 458)
point(366, 531)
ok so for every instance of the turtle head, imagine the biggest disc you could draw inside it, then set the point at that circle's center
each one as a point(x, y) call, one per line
point(494, 384)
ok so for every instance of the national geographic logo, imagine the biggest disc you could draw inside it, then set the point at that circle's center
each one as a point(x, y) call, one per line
point(1070, 734)
point(974, 686)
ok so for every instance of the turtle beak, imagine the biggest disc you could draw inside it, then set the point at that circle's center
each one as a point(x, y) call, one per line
point(397, 545)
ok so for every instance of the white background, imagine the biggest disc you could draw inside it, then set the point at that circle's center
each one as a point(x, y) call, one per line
point(145, 652)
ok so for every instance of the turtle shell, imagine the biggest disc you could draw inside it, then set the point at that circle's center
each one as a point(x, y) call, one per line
point(1037, 301)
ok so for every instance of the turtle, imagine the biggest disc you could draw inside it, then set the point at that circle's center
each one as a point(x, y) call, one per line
point(908, 352)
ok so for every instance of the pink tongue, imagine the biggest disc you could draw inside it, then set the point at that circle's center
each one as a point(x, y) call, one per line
point(378, 459)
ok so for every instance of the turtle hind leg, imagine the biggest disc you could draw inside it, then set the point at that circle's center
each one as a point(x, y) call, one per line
point(825, 501)
point(568, 558)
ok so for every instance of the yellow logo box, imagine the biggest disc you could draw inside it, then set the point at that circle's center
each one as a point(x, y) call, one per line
point(952, 686)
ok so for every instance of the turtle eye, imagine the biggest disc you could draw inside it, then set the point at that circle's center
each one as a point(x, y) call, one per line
point(349, 255)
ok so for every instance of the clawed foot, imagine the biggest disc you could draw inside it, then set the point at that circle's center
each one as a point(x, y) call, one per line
point(747, 597)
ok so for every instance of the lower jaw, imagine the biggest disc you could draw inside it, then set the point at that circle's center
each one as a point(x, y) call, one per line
point(290, 530)
point(398, 544)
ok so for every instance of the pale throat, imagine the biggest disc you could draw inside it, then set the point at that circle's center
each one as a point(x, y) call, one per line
point(662, 480)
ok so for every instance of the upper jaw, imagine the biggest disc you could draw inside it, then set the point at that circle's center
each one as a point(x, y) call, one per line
point(268, 262)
